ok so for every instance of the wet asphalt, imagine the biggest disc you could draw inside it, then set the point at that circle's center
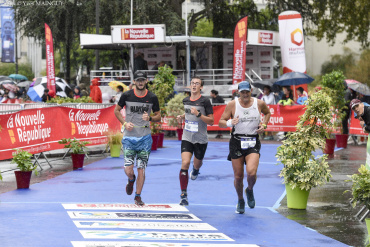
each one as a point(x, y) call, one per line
point(328, 212)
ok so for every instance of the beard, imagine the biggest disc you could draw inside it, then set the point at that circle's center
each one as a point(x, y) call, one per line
point(141, 88)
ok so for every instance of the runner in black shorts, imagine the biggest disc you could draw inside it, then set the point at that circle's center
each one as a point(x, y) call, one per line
point(244, 116)
point(198, 113)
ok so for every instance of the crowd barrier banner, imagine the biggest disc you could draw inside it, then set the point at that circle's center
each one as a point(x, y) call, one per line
point(355, 127)
point(283, 118)
point(39, 130)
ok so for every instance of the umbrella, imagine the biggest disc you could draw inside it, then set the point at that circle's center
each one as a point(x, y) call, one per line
point(35, 93)
point(293, 78)
point(270, 83)
point(18, 77)
point(10, 87)
point(24, 84)
point(10, 81)
point(115, 84)
point(3, 78)
point(358, 87)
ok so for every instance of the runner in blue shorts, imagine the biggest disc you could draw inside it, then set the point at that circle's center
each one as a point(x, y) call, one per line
point(137, 139)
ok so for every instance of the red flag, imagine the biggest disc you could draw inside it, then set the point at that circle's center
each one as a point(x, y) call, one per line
point(50, 71)
point(240, 44)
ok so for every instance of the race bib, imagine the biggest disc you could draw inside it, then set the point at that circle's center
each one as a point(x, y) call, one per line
point(191, 126)
point(248, 142)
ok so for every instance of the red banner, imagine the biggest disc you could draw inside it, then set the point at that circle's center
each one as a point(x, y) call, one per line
point(240, 44)
point(50, 70)
point(355, 127)
point(39, 130)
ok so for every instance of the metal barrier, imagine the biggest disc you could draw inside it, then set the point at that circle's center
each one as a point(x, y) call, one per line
point(10, 107)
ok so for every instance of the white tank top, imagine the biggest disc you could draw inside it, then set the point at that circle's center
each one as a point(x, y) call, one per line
point(249, 118)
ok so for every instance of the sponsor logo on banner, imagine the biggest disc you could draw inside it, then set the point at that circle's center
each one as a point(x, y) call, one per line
point(297, 37)
point(87, 122)
point(155, 235)
point(145, 225)
point(137, 33)
point(265, 38)
point(29, 127)
point(115, 206)
point(150, 244)
point(136, 216)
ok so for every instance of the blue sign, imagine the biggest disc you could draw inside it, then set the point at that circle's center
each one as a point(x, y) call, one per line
point(7, 35)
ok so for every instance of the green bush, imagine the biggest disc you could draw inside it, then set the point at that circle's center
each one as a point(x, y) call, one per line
point(61, 100)
point(23, 160)
point(25, 69)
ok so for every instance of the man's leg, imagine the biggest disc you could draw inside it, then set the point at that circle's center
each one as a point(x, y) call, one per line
point(129, 169)
point(184, 176)
point(252, 161)
point(199, 152)
point(238, 183)
point(140, 180)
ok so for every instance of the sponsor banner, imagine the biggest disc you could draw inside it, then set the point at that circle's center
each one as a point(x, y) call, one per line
point(292, 42)
point(39, 130)
point(119, 206)
point(106, 234)
point(138, 33)
point(133, 215)
point(150, 244)
point(50, 70)
point(265, 38)
point(7, 35)
point(145, 225)
point(240, 44)
point(355, 127)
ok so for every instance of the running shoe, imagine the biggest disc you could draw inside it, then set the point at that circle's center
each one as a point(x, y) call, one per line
point(184, 199)
point(250, 198)
point(130, 186)
point(138, 201)
point(240, 207)
point(194, 174)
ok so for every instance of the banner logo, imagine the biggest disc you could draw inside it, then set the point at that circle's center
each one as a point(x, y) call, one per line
point(297, 37)
point(11, 135)
point(242, 29)
point(73, 128)
point(137, 33)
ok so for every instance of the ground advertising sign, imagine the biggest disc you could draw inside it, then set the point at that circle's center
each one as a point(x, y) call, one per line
point(138, 33)
point(39, 130)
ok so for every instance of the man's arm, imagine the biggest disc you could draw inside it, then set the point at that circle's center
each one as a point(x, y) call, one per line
point(118, 114)
point(156, 117)
point(267, 114)
point(226, 115)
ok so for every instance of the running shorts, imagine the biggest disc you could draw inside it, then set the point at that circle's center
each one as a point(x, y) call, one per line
point(235, 150)
point(137, 147)
point(198, 149)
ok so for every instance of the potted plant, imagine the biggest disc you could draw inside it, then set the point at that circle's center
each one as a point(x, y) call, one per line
point(162, 87)
point(78, 149)
point(302, 170)
point(115, 142)
point(174, 108)
point(361, 190)
point(24, 164)
point(334, 84)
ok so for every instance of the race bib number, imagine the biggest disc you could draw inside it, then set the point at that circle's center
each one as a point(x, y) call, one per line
point(248, 142)
point(191, 126)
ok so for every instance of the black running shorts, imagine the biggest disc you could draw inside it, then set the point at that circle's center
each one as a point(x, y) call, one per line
point(198, 149)
point(235, 150)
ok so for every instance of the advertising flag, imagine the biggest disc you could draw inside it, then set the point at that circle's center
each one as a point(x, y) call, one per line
point(50, 71)
point(7, 35)
point(292, 43)
point(240, 44)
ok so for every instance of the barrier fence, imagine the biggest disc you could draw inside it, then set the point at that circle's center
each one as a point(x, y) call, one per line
point(38, 127)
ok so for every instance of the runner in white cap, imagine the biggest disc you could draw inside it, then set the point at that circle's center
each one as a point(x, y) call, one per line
point(244, 116)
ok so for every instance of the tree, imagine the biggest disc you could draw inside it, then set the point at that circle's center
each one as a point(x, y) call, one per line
point(361, 70)
point(327, 18)
point(339, 62)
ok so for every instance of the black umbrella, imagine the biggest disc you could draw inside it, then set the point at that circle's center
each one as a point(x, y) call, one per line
point(24, 84)
point(270, 83)
point(10, 81)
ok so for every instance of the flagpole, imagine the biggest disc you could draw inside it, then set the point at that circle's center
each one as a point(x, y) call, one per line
point(187, 45)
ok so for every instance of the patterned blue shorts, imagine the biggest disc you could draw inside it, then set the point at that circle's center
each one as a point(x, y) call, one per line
point(137, 147)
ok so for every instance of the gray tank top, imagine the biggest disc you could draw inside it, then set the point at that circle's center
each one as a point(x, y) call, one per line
point(249, 118)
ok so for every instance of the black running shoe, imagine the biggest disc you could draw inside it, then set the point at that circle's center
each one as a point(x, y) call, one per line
point(138, 201)
point(250, 198)
point(240, 207)
point(130, 186)
point(184, 199)
point(194, 174)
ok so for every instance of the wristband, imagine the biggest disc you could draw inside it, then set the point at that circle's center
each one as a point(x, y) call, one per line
point(150, 118)
point(199, 114)
point(124, 124)
point(228, 123)
point(264, 126)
